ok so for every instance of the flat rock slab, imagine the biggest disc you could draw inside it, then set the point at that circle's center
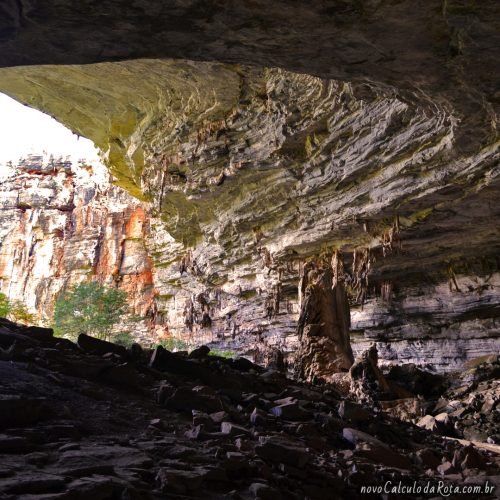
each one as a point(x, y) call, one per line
point(97, 346)
point(382, 455)
point(97, 487)
point(179, 481)
point(356, 436)
point(117, 456)
point(282, 451)
point(495, 448)
point(263, 491)
point(32, 483)
point(291, 411)
point(233, 429)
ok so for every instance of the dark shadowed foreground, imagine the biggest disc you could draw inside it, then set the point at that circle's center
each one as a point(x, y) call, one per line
point(98, 421)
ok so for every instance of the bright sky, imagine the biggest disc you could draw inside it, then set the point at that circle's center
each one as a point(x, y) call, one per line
point(25, 130)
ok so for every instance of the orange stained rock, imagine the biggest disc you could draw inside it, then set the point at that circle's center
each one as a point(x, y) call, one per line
point(141, 292)
point(135, 225)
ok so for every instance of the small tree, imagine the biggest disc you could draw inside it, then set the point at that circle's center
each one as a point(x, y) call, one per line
point(19, 313)
point(15, 311)
point(89, 308)
point(4, 305)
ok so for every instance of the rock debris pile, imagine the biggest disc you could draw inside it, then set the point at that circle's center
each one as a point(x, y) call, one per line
point(96, 420)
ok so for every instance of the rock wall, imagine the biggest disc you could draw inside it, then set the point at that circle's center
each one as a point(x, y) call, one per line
point(441, 325)
point(61, 224)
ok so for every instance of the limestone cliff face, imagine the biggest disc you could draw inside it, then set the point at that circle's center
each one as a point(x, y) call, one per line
point(61, 224)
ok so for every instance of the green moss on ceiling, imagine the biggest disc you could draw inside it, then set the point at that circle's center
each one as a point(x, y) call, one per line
point(115, 104)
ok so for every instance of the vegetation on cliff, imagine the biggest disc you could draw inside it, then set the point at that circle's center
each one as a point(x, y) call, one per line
point(15, 310)
point(89, 308)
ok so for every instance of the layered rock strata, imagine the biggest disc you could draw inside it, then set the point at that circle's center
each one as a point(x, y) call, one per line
point(441, 325)
point(439, 53)
point(62, 224)
point(385, 150)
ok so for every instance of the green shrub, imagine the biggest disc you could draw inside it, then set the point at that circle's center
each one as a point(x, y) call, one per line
point(4, 305)
point(89, 308)
point(124, 339)
point(19, 313)
point(15, 311)
point(171, 344)
point(222, 354)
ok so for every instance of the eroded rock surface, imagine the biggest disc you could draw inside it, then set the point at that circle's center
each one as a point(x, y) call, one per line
point(324, 322)
point(61, 226)
point(440, 325)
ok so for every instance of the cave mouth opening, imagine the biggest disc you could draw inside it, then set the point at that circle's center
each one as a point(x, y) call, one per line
point(25, 131)
point(48, 176)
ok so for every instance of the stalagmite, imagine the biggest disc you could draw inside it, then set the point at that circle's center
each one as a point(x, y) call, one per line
point(324, 322)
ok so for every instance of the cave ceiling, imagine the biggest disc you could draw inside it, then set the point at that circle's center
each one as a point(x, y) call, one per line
point(302, 125)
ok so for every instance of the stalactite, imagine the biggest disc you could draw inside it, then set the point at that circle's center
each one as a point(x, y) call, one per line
point(453, 280)
point(276, 299)
point(267, 258)
point(389, 236)
point(360, 274)
point(189, 315)
point(339, 275)
point(386, 291)
point(258, 235)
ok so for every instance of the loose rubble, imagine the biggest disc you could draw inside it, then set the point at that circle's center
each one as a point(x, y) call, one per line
point(88, 420)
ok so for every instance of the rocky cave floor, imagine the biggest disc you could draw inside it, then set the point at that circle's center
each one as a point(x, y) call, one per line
point(98, 421)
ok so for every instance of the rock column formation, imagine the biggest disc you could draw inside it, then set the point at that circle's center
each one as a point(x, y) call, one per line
point(324, 323)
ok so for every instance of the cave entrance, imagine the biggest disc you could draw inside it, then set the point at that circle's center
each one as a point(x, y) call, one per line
point(42, 166)
point(25, 131)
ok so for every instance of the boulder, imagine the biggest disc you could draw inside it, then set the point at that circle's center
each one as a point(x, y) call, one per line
point(245, 365)
point(291, 411)
point(429, 423)
point(353, 412)
point(468, 457)
point(179, 481)
point(199, 353)
point(263, 491)
point(233, 429)
point(100, 347)
point(39, 333)
point(280, 450)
